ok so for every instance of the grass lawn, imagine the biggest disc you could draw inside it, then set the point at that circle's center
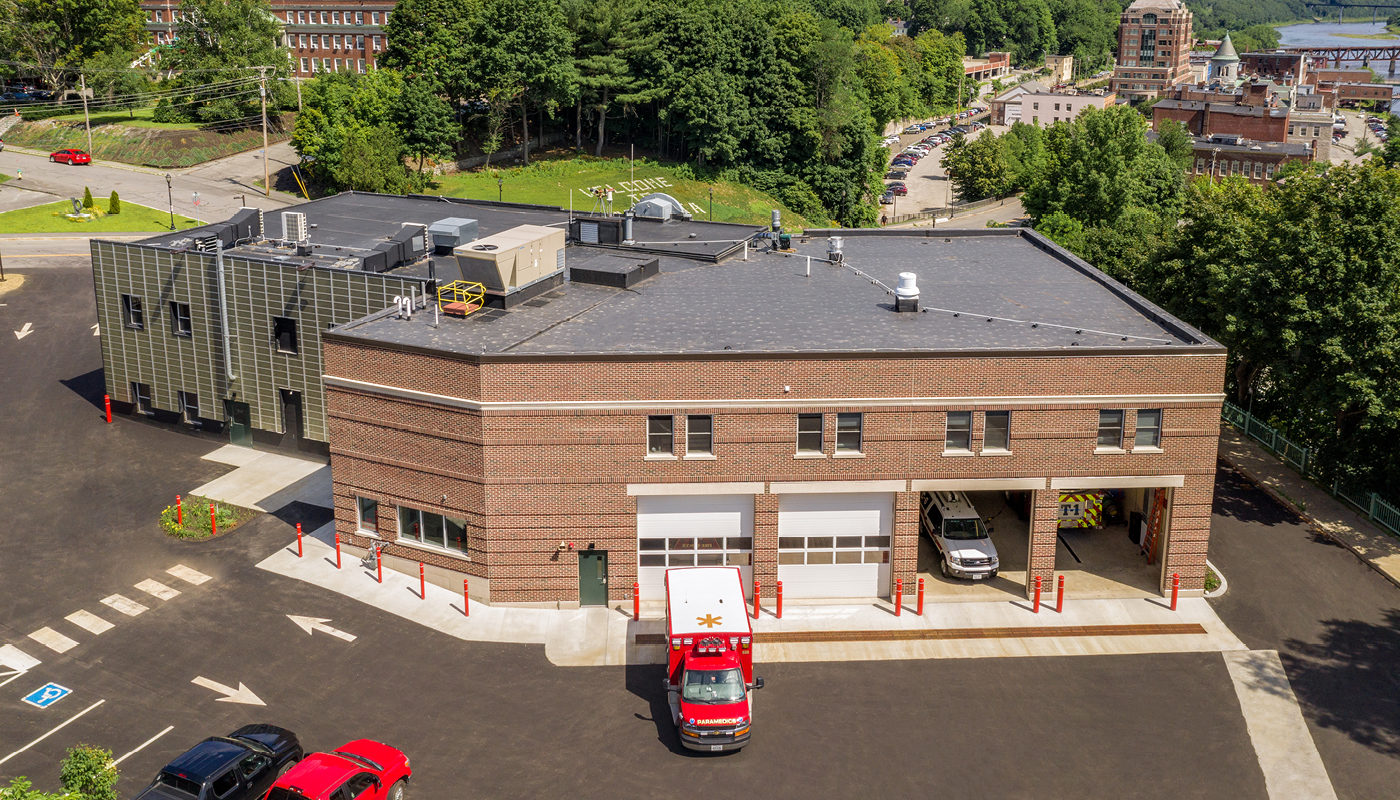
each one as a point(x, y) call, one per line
point(4, 178)
point(552, 182)
point(136, 118)
point(50, 218)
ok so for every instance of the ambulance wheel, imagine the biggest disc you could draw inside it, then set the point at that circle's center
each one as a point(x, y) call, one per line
point(947, 570)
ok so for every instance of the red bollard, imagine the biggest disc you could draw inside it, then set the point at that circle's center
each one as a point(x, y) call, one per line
point(756, 589)
point(337, 551)
point(379, 562)
point(636, 600)
point(107, 403)
point(780, 599)
point(1176, 587)
point(466, 599)
point(298, 540)
point(1060, 595)
point(422, 582)
point(1037, 594)
point(921, 597)
point(179, 512)
point(213, 525)
point(898, 596)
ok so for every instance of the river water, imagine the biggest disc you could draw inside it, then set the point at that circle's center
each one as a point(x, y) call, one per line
point(1324, 34)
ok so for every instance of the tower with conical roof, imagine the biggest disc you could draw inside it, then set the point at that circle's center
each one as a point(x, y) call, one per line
point(1225, 64)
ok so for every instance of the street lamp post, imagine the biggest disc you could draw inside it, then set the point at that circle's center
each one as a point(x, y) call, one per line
point(712, 204)
point(500, 188)
point(170, 195)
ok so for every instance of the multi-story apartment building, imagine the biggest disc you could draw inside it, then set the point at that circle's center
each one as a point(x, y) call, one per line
point(1154, 48)
point(322, 35)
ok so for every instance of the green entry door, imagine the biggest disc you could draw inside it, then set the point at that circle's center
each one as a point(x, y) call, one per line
point(593, 578)
point(240, 428)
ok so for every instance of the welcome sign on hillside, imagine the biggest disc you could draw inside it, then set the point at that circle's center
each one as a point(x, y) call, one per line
point(628, 193)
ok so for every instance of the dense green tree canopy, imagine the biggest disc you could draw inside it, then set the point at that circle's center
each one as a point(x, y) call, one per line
point(219, 45)
point(56, 37)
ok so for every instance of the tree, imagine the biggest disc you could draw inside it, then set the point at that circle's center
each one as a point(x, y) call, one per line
point(219, 42)
point(1390, 154)
point(609, 38)
point(87, 197)
point(346, 133)
point(57, 37)
point(425, 122)
point(115, 82)
point(523, 50)
point(978, 167)
point(371, 160)
point(88, 773)
point(429, 40)
point(114, 203)
point(22, 788)
point(1174, 139)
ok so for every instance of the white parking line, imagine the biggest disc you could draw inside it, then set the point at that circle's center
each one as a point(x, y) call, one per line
point(53, 640)
point(89, 622)
point(157, 589)
point(15, 658)
point(142, 746)
point(60, 727)
point(188, 575)
point(125, 605)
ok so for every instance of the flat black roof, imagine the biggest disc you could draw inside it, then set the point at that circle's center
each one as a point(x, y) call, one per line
point(981, 291)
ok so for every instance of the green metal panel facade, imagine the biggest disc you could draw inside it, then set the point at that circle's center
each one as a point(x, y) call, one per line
point(257, 291)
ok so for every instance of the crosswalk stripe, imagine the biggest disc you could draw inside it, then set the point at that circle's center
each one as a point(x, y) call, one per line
point(16, 659)
point(188, 575)
point(123, 604)
point(89, 622)
point(157, 589)
point(53, 640)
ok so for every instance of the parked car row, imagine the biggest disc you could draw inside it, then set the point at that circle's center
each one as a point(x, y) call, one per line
point(26, 94)
point(265, 762)
point(920, 127)
point(1377, 126)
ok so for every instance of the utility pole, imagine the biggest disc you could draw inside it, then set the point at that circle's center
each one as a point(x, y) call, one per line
point(298, 83)
point(82, 90)
point(262, 93)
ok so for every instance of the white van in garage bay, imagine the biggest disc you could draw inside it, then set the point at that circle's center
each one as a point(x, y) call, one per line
point(965, 548)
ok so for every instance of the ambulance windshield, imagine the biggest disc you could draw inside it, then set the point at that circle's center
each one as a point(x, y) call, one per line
point(964, 529)
point(713, 686)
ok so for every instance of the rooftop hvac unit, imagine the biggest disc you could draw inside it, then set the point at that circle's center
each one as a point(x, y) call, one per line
point(513, 258)
point(206, 244)
point(451, 232)
point(294, 227)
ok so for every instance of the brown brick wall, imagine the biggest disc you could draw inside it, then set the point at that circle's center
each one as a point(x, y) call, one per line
point(527, 479)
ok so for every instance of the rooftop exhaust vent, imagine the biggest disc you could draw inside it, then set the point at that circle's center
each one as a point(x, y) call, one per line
point(451, 233)
point(833, 250)
point(906, 294)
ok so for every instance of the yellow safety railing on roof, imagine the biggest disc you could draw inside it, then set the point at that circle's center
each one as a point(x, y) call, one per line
point(464, 297)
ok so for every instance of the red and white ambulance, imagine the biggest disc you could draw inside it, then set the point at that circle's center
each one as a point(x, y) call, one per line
point(709, 665)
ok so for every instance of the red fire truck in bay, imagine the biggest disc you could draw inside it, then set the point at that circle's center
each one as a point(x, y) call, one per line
point(709, 665)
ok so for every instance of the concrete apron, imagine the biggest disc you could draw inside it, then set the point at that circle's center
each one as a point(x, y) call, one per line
point(607, 636)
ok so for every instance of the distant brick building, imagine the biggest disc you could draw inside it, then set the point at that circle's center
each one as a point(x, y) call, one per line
point(1047, 108)
point(1154, 48)
point(1207, 119)
point(1222, 156)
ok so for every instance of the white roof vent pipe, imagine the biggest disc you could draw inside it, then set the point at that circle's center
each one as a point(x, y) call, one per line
point(906, 294)
point(833, 250)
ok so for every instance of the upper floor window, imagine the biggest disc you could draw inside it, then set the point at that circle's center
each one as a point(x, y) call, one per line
point(809, 433)
point(1149, 428)
point(699, 435)
point(374, 17)
point(848, 432)
point(660, 429)
point(284, 335)
point(1110, 428)
point(367, 514)
point(335, 17)
point(132, 312)
point(996, 433)
point(180, 319)
point(959, 433)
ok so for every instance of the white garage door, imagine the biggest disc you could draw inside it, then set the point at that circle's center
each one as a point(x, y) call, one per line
point(692, 531)
point(835, 545)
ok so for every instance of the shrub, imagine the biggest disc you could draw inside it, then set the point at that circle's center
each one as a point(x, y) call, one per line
point(114, 203)
point(88, 772)
point(196, 518)
point(87, 197)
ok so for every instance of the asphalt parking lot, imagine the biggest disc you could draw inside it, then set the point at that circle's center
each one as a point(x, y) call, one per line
point(928, 182)
point(477, 719)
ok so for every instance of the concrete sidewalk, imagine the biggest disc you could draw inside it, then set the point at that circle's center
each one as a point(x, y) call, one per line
point(601, 636)
point(1331, 516)
point(267, 481)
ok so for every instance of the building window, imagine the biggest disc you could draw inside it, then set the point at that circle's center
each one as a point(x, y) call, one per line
point(660, 429)
point(303, 65)
point(959, 433)
point(362, 71)
point(996, 432)
point(374, 17)
point(359, 17)
point(335, 41)
point(301, 17)
point(704, 551)
point(1111, 428)
point(337, 65)
point(132, 313)
point(158, 19)
point(284, 335)
point(699, 435)
point(1035, 106)
point(1258, 170)
point(1149, 428)
point(833, 550)
point(323, 18)
point(141, 396)
point(376, 44)
point(848, 432)
point(435, 530)
point(301, 43)
point(189, 406)
point(1200, 165)
point(1057, 106)
point(359, 43)
point(335, 17)
point(180, 319)
point(367, 515)
point(325, 62)
point(809, 433)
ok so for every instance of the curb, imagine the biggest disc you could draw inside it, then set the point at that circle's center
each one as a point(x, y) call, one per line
point(1313, 524)
point(1224, 584)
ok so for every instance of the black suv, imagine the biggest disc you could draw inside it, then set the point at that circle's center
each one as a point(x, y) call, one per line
point(240, 766)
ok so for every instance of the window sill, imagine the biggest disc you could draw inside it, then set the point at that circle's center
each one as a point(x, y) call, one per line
point(370, 534)
point(996, 453)
point(850, 454)
point(432, 548)
point(1147, 450)
point(809, 455)
point(958, 453)
point(660, 457)
point(699, 457)
point(1109, 451)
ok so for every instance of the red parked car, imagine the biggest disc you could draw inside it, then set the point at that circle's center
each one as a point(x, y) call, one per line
point(361, 770)
point(70, 157)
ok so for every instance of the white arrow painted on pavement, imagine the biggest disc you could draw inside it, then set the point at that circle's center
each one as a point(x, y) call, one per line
point(240, 695)
point(96, 331)
point(25, 331)
point(310, 624)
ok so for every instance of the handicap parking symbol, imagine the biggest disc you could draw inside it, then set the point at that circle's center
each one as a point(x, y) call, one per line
point(47, 695)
